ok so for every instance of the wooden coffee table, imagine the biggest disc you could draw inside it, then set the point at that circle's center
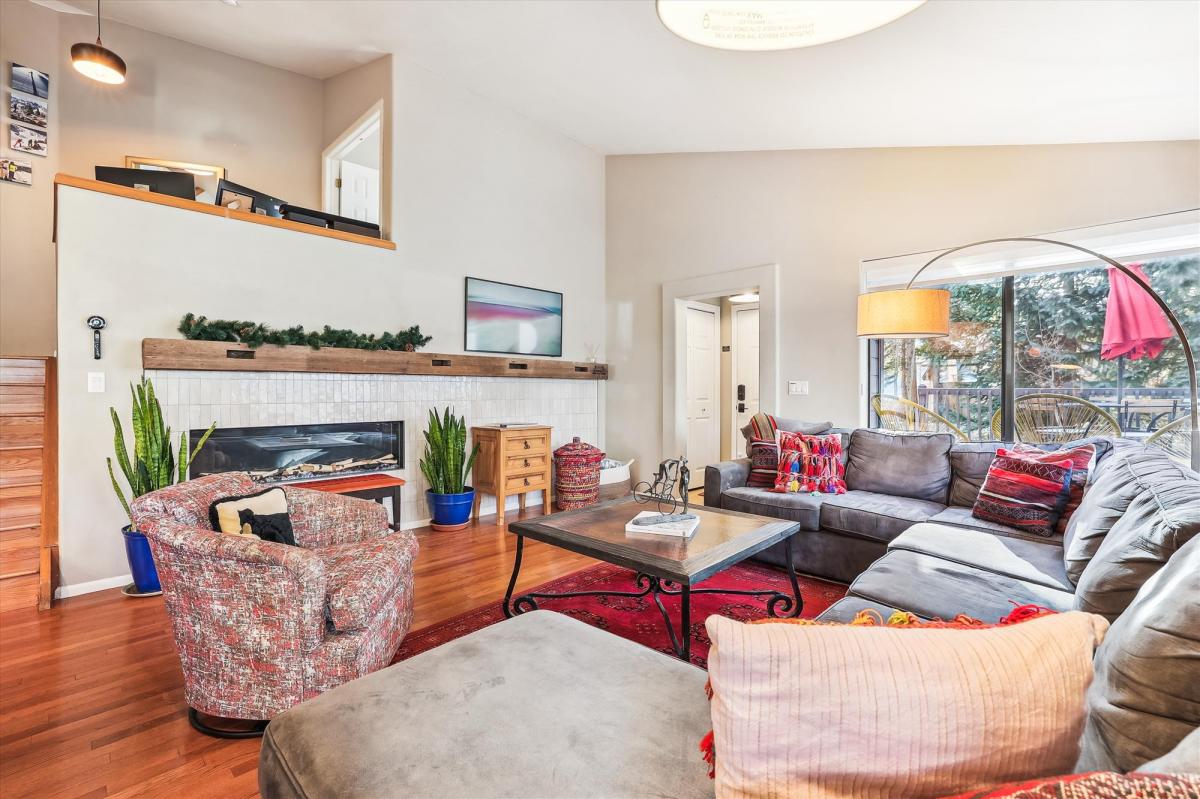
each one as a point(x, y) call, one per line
point(663, 564)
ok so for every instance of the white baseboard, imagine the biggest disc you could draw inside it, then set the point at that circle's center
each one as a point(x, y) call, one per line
point(78, 589)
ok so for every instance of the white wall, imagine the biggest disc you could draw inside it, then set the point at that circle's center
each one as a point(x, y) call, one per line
point(816, 213)
point(476, 190)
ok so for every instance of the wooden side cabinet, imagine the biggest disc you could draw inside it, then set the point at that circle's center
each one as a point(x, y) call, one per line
point(28, 483)
point(512, 460)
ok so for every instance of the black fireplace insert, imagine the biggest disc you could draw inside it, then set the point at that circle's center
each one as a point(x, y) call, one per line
point(288, 453)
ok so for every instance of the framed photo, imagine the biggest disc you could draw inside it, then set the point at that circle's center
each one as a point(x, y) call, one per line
point(16, 170)
point(505, 318)
point(30, 81)
point(27, 140)
point(27, 109)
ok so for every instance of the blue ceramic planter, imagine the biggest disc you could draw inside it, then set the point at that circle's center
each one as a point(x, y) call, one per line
point(141, 562)
point(450, 510)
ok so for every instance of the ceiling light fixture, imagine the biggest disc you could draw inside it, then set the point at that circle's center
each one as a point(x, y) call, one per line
point(96, 61)
point(749, 296)
point(776, 24)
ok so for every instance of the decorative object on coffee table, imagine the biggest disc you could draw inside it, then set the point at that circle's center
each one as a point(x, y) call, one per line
point(513, 459)
point(664, 565)
point(153, 466)
point(446, 466)
point(925, 313)
point(661, 490)
point(576, 475)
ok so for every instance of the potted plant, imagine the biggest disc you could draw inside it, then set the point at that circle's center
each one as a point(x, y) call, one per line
point(446, 466)
point(153, 466)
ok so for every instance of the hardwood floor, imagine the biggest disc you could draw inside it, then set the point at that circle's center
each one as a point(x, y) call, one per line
point(91, 695)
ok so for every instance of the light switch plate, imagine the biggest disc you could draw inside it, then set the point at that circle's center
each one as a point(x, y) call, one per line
point(95, 382)
point(797, 388)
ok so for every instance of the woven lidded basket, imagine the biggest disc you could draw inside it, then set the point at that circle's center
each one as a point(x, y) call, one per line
point(576, 474)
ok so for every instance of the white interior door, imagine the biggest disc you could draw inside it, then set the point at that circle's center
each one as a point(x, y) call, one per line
point(744, 341)
point(703, 379)
point(359, 192)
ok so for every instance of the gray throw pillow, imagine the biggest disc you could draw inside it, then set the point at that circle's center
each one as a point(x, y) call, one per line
point(1183, 759)
point(1146, 694)
point(968, 468)
point(795, 426)
point(915, 465)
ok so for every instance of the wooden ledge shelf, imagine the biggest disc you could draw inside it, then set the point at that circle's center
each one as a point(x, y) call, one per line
point(220, 356)
point(214, 210)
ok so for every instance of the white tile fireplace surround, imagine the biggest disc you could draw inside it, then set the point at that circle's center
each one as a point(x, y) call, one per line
point(193, 399)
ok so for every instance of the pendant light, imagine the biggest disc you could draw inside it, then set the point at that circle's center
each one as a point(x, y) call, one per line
point(96, 61)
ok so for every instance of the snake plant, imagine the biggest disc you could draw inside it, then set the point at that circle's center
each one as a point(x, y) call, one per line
point(446, 464)
point(154, 465)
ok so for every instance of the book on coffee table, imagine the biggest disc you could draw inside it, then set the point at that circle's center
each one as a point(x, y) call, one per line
point(680, 529)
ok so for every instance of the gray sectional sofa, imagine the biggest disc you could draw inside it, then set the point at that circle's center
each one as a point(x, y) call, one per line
point(543, 705)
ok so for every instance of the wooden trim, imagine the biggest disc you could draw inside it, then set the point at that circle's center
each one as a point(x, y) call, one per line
point(49, 541)
point(213, 210)
point(214, 356)
point(350, 483)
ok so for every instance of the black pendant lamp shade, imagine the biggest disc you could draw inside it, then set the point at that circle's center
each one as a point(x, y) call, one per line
point(96, 61)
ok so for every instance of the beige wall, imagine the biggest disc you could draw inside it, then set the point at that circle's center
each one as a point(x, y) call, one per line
point(346, 98)
point(180, 102)
point(816, 213)
point(29, 36)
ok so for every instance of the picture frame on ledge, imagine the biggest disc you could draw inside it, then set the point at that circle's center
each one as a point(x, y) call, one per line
point(207, 176)
point(508, 319)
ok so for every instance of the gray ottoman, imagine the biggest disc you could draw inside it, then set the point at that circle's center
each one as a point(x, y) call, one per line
point(537, 706)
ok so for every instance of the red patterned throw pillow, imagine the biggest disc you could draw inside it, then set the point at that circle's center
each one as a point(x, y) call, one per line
point(1024, 493)
point(1095, 785)
point(1081, 458)
point(810, 464)
point(763, 451)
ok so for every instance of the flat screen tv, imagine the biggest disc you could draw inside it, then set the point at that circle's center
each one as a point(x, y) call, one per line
point(512, 319)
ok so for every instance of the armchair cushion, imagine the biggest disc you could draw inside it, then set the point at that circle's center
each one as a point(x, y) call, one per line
point(362, 577)
point(320, 519)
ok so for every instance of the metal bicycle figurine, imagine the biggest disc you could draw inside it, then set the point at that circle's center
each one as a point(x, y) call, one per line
point(662, 489)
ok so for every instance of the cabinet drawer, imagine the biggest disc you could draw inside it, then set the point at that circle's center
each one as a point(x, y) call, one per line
point(19, 551)
point(534, 442)
point(525, 464)
point(22, 400)
point(22, 431)
point(525, 482)
point(20, 467)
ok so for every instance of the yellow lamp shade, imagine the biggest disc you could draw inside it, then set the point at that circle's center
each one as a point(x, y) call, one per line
point(905, 313)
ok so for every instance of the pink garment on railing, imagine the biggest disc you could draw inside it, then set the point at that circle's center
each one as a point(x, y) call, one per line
point(1134, 325)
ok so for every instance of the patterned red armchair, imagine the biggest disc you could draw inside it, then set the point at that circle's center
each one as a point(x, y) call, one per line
point(262, 626)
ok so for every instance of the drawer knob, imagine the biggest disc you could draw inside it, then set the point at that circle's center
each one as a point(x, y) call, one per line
point(526, 481)
point(527, 443)
point(527, 461)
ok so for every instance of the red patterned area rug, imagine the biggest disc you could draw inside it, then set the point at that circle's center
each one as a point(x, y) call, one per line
point(638, 619)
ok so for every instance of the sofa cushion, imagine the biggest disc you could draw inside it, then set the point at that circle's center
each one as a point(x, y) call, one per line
point(1146, 695)
point(1183, 759)
point(968, 467)
point(881, 517)
point(1035, 561)
point(1126, 473)
point(1159, 520)
point(539, 705)
point(844, 610)
point(361, 577)
point(803, 508)
point(962, 517)
point(915, 465)
point(792, 426)
point(938, 588)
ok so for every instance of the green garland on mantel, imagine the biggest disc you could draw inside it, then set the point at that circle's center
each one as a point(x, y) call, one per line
point(254, 335)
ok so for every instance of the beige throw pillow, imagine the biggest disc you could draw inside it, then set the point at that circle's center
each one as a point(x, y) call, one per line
point(224, 513)
point(842, 711)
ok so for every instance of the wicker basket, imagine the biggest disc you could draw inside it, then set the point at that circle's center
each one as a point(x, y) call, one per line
point(576, 474)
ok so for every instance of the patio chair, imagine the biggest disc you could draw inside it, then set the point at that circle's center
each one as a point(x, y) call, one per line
point(1057, 418)
point(897, 413)
point(1175, 440)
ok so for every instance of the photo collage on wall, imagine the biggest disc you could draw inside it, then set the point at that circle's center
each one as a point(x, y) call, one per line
point(28, 115)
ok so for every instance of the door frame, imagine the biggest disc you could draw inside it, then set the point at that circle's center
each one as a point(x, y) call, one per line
point(331, 157)
point(675, 293)
point(735, 433)
point(715, 311)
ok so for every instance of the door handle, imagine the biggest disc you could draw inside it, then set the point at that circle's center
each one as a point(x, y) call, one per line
point(741, 407)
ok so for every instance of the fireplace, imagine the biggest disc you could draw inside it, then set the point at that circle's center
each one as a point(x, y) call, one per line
point(288, 453)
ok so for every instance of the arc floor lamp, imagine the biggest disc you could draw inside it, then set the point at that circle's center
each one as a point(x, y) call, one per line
point(925, 313)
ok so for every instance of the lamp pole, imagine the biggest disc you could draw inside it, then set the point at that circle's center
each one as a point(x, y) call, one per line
point(1194, 411)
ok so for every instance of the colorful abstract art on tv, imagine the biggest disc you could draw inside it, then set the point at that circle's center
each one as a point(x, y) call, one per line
point(505, 318)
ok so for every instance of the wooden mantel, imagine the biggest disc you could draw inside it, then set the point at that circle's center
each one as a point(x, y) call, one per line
point(220, 356)
point(214, 210)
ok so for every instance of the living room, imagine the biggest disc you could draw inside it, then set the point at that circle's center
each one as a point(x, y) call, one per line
point(389, 318)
